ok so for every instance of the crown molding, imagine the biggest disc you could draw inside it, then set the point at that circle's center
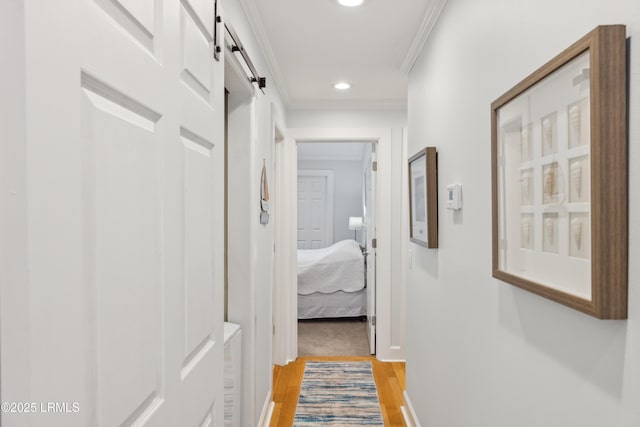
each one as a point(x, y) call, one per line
point(255, 22)
point(364, 104)
point(429, 21)
point(336, 158)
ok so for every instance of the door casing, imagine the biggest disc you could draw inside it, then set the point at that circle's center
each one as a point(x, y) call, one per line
point(287, 288)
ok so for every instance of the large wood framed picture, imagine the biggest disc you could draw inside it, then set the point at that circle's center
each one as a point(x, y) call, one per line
point(559, 178)
point(423, 193)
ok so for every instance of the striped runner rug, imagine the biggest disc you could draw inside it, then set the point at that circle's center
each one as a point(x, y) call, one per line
point(338, 394)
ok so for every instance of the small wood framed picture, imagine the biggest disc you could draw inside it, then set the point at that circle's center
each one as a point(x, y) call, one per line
point(423, 196)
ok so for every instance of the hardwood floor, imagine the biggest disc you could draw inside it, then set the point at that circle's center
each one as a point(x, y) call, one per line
point(389, 377)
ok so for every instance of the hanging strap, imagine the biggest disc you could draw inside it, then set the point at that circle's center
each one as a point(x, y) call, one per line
point(264, 189)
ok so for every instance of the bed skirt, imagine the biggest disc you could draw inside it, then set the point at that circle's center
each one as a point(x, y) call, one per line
point(337, 304)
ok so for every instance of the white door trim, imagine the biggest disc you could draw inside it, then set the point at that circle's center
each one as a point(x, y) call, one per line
point(372, 252)
point(329, 175)
point(285, 337)
point(383, 138)
point(241, 230)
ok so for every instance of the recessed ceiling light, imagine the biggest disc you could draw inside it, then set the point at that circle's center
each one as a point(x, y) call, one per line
point(342, 86)
point(350, 3)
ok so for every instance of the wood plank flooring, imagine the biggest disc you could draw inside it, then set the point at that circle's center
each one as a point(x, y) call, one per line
point(389, 377)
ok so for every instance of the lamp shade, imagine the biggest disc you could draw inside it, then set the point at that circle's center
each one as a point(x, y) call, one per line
point(355, 223)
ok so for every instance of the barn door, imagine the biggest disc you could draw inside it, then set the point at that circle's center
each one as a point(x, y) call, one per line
point(124, 141)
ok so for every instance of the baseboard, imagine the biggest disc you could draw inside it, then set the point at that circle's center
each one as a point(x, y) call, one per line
point(409, 415)
point(389, 360)
point(267, 412)
point(390, 354)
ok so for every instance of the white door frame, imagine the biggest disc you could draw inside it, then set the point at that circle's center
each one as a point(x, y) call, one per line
point(285, 319)
point(286, 264)
point(241, 189)
point(329, 214)
point(369, 194)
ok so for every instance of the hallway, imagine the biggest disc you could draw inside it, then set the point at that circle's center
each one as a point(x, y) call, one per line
point(389, 377)
point(148, 196)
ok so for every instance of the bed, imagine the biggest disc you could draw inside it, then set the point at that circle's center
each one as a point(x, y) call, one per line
point(331, 281)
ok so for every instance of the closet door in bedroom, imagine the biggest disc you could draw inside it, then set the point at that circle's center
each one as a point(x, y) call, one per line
point(315, 209)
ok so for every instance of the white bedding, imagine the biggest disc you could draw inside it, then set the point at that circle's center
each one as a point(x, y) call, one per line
point(340, 267)
point(337, 304)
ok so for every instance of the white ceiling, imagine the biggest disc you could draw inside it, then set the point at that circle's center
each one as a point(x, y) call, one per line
point(312, 44)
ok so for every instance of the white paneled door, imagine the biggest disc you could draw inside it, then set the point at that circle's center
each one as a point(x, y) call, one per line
point(315, 209)
point(124, 164)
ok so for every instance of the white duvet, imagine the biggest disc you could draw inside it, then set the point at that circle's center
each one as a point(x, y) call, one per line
point(340, 267)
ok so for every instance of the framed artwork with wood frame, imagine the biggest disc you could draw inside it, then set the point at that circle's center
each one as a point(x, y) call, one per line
point(423, 198)
point(559, 178)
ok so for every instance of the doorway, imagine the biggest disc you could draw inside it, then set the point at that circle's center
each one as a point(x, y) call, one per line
point(286, 285)
point(239, 234)
point(335, 293)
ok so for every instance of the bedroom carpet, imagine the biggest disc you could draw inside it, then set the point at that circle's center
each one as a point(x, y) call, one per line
point(332, 337)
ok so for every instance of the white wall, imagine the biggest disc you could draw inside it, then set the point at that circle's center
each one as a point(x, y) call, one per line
point(347, 192)
point(481, 352)
point(396, 120)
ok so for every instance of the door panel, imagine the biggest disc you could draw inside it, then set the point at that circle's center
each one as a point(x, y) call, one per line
point(123, 238)
point(141, 12)
point(198, 260)
point(202, 170)
point(139, 18)
point(195, 40)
